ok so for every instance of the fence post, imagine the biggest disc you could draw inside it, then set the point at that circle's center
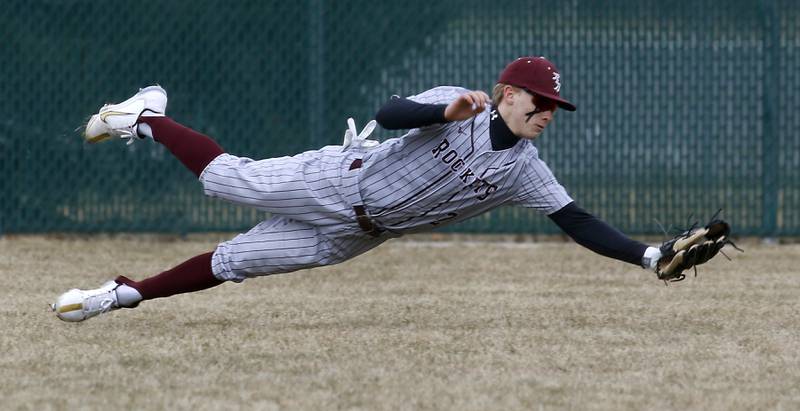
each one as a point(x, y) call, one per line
point(317, 70)
point(769, 227)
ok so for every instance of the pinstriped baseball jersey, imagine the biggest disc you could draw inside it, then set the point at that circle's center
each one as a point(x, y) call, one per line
point(432, 176)
point(445, 173)
point(313, 221)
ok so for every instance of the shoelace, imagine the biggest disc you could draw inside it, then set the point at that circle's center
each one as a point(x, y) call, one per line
point(101, 303)
point(128, 133)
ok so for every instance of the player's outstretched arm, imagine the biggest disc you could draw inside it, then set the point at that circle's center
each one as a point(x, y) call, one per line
point(689, 249)
point(597, 235)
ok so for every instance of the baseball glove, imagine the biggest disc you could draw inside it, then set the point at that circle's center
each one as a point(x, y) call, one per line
point(691, 248)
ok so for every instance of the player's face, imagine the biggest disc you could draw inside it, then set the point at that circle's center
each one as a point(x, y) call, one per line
point(531, 114)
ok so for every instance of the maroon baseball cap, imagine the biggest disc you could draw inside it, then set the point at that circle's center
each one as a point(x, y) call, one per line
point(537, 75)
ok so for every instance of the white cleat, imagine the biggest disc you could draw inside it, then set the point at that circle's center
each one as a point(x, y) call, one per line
point(78, 305)
point(119, 120)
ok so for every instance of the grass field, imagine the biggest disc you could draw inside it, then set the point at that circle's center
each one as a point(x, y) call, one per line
point(411, 325)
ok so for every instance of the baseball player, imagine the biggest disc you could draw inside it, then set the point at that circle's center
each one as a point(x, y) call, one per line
point(466, 153)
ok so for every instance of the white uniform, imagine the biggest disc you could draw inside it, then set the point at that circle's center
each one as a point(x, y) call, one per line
point(432, 176)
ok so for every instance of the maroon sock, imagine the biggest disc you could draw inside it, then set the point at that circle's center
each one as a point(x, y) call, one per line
point(193, 149)
point(192, 275)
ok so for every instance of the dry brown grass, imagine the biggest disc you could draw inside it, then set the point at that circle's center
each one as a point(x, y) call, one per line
point(463, 326)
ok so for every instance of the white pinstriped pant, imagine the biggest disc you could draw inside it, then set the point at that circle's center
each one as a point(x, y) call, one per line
point(310, 197)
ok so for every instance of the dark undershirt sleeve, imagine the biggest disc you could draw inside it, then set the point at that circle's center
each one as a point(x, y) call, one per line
point(596, 235)
point(401, 113)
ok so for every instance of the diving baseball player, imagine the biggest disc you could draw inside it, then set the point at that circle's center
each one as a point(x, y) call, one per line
point(465, 154)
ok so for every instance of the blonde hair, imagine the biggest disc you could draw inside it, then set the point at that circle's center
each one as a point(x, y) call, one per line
point(497, 93)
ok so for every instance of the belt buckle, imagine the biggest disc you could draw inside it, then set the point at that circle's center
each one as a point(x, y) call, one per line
point(365, 222)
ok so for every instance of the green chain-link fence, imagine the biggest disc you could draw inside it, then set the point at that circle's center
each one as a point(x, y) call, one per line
point(684, 106)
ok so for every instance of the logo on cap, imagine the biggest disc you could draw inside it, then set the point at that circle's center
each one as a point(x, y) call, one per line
point(557, 79)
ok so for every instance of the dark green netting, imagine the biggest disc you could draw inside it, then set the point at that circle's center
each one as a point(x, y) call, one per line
point(684, 106)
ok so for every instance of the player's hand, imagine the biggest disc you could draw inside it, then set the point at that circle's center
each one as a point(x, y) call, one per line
point(466, 106)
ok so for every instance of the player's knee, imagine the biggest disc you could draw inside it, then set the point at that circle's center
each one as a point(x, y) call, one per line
point(234, 262)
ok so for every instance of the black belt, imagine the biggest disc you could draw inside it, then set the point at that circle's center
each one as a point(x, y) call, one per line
point(363, 219)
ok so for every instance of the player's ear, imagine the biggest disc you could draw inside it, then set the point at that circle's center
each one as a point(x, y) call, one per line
point(508, 94)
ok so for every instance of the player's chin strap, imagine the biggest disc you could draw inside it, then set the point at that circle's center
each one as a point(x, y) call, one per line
point(353, 140)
